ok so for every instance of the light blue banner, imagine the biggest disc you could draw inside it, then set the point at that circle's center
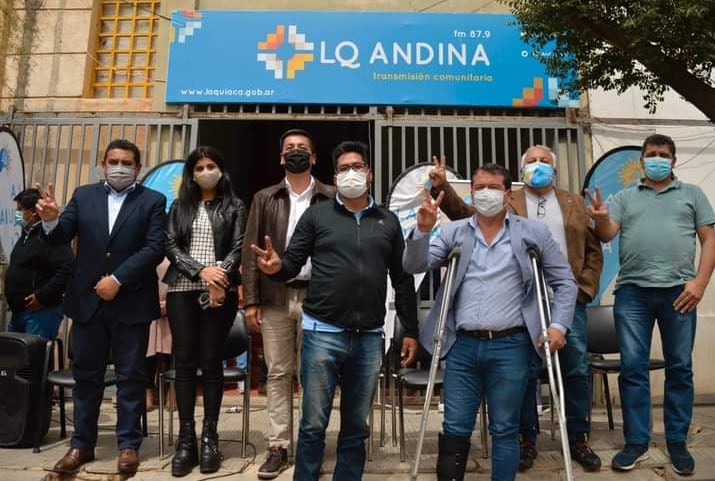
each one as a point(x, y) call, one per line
point(394, 58)
point(616, 170)
point(166, 178)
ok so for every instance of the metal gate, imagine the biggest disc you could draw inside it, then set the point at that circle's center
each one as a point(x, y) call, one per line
point(467, 144)
point(67, 151)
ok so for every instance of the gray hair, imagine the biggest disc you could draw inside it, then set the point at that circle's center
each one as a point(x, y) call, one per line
point(539, 146)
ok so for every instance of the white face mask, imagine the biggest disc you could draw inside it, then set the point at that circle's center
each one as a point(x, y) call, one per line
point(120, 176)
point(488, 202)
point(352, 184)
point(207, 179)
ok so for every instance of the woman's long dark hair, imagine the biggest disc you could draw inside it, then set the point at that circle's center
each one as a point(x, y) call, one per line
point(187, 202)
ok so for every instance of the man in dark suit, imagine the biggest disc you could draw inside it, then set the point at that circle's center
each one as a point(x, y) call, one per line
point(112, 296)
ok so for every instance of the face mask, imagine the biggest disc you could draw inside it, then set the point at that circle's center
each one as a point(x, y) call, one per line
point(537, 174)
point(120, 176)
point(207, 179)
point(488, 202)
point(297, 161)
point(657, 168)
point(20, 219)
point(352, 184)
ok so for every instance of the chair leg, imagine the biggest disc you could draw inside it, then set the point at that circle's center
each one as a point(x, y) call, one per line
point(553, 422)
point(246, 412)
point(383, 391)
point(483, 432)
point(161, 416)
point(145, 428)
point(402, 419)
point(63, 421)
point(607, 394)
point(393, 409)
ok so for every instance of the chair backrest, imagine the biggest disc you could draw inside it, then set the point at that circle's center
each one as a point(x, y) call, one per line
point(601, 330)
point(238, 339)
point(422, 355)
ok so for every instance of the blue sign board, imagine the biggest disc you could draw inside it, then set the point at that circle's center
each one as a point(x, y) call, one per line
point(616, 170)
point(395, 58)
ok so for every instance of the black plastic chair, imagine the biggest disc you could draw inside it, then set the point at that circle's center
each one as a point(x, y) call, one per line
point(602, 340)
point(237, 342)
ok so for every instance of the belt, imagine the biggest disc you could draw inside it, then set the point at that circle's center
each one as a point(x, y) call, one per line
point(298, 284)
point(481, 334)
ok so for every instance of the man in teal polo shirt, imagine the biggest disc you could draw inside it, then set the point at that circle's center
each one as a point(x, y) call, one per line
point(657, 220)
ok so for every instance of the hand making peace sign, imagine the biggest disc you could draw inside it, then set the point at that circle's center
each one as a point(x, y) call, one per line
point(268, 260)
point(427, 212)
point(46, 206)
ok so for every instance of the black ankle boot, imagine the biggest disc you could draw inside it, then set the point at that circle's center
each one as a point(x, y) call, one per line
point(452, 457)
point(211, 457)
point(187, 453)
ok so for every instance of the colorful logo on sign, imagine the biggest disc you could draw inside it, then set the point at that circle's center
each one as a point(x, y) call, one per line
point(271, 52)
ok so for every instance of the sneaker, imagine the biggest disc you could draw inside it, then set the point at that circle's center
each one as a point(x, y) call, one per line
point(628, 457)
point(276, 462)
point(583, 454)
point(683, 462)
point(527, 454)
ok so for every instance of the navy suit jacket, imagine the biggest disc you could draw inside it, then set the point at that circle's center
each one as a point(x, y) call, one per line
point(130, 252)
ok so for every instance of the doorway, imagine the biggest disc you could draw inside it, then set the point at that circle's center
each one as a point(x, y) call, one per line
point(251, 148)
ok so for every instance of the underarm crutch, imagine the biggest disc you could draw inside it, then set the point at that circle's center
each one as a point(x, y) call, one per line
point(553, 367)
point(453, 260)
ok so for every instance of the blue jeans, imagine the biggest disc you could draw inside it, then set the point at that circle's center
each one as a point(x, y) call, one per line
point(44, 322)
point(351, 360)
point(635, 311)
point(498, 369)
point(573, 359)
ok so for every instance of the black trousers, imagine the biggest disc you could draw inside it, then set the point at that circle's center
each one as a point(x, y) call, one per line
point(198, 337)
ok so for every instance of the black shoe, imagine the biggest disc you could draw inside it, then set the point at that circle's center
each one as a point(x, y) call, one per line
point(276, 462)
point(629, 457)
point(683, 462)
point(527, 454)
point(210, 456)
point(187, 454)
point(582, 453)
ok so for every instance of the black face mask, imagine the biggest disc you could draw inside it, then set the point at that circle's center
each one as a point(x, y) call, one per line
point(297, 161)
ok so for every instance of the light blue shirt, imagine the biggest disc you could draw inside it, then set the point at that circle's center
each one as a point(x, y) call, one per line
point(309, 322)
point(491, 295)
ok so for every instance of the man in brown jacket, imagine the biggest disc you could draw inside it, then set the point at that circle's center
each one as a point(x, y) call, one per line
point(565, 214)
point(274, 308)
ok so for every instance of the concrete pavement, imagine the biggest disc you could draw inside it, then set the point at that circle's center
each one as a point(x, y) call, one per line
point(385, 465)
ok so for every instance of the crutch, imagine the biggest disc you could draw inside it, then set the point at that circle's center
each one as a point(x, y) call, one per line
point(552, 363)
point(453, 260)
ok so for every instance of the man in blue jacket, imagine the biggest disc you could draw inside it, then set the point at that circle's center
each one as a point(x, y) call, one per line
point(493, 321)
point(112, 297)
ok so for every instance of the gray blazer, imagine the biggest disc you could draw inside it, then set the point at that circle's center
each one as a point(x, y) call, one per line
point(422, 255)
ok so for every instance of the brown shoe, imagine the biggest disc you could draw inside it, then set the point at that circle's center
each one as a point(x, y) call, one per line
point(71, 462)
point(128, 461)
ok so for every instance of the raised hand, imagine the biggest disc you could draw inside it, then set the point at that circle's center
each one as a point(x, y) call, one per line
point(427, 212)
point(46, 206)
point(596, 208)
point(438, 173)
point(214, 276)
point(268, 261)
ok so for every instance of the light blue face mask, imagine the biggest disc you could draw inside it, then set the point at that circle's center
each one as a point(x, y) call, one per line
point(20, 219)
point(537, 174)
point(657, 168)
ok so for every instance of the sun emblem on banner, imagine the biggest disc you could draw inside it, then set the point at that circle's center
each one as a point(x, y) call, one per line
point(271, 52)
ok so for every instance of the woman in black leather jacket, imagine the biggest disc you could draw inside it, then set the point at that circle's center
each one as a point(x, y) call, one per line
point(203, 243)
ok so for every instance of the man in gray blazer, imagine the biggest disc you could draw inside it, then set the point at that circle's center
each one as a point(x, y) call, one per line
point(493, 321)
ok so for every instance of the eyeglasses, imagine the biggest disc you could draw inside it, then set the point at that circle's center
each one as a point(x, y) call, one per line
point(357, 166)
point(541, 208)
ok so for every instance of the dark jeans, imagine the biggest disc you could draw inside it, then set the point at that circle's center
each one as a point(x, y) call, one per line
point(198, 337)
point(635, 311)
point(91, 344)
point(496, 368)
point(573, 359)
point(45, 322)
point(351, 360)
